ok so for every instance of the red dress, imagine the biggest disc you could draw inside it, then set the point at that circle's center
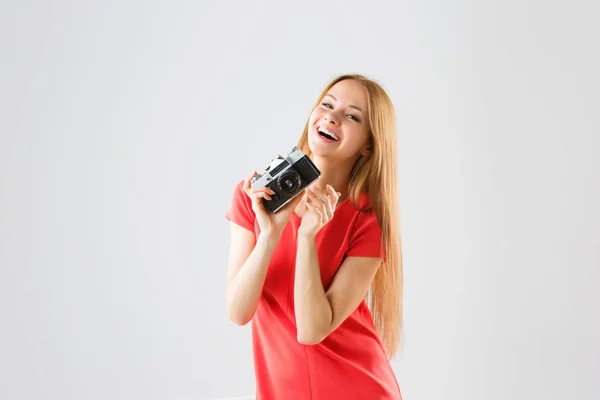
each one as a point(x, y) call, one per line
point(348, 364)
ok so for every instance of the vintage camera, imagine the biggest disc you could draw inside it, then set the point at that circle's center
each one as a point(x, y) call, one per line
point(287, 177)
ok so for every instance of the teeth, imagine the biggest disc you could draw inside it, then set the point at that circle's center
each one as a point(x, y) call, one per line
point(333, 135)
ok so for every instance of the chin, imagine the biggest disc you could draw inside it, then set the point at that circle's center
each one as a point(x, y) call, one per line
point(319, 151)
point(317, 148)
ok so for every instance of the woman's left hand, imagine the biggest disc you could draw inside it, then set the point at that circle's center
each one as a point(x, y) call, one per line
point(320, 206)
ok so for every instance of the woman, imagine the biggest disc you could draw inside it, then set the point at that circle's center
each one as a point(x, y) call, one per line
point(302, 275)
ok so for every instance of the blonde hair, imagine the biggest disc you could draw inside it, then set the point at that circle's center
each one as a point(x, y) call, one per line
point(376, 175)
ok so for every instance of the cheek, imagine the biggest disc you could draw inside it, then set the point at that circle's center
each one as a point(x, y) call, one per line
point(359, 136)
point(314, 116)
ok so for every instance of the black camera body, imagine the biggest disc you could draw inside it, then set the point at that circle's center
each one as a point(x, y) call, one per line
point(287, 176)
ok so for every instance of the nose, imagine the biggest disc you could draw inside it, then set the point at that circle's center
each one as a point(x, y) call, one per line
point(331, 117)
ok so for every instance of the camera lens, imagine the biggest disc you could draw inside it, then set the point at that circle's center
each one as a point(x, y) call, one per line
point(289, 181)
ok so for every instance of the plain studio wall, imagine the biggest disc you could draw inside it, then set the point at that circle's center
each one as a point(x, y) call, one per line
point(124, 127)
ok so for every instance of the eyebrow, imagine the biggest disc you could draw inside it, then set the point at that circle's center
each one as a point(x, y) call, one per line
point(350, 106)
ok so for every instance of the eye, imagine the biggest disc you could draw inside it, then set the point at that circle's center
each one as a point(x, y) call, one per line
point(351, 116)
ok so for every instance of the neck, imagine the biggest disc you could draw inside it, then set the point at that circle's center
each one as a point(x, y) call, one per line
point(334, 173)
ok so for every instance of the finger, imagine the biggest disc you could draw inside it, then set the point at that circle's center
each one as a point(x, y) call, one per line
point(249, 178)
point(335, 196)
point(315, 210)
point(323, 203)
point(260, 194)
point(332, 196)
point(258, 206)
point(313, 185)
point(247, 181)
point(315, 195)
point(315, 200)
point(323, 213)
point(265, 190)
point(321, 194)
point(297, 199)
point(328, 201)
point(324, 210)
point(327, 211)
point(262, 189)
point(305, 196)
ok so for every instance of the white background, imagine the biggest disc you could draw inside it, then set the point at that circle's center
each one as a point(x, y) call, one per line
point(124, 127)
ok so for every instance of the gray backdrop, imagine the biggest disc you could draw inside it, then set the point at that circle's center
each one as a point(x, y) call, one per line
point(125, 126)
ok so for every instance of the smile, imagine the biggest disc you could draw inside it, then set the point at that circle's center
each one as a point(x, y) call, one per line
point(327, 134)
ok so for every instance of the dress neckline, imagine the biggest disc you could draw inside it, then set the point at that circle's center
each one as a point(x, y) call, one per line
point(346, 200)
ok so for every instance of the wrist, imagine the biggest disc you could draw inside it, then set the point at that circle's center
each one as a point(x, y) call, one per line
point(271, 235)
point(306, 235)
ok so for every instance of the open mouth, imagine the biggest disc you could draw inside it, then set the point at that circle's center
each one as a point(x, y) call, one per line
point(327, 134)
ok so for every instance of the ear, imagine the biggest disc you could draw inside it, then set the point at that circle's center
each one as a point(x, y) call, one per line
point(366, 151)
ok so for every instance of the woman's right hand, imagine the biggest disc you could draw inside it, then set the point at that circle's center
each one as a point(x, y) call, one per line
point(268, 222)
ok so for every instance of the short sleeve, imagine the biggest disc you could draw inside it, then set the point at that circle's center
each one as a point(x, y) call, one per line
point(241, 211)
point(366, 239)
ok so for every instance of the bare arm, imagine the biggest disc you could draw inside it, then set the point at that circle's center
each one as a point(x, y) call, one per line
point(318, 313)
point(249, 256)
point(249, 259)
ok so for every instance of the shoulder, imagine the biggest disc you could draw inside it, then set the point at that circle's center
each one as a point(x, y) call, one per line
point(363, 215)
point(362, 205)
point(240, 196)
point(238, 191)
point(239, 187)
point(364, 201)
point(240, 210)
point(365, 237)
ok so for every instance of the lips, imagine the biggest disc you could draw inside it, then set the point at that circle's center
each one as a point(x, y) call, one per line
point(326, 139)
point(328, 129)
point(327, 134)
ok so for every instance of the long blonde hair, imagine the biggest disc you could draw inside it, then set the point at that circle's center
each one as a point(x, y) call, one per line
point(376, 175)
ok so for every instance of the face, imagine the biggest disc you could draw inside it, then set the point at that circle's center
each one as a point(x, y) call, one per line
point(338, 127)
